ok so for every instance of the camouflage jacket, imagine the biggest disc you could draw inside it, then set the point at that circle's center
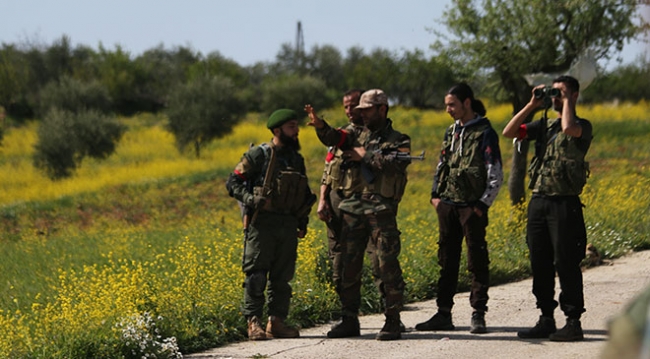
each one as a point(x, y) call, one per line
point(383, 174)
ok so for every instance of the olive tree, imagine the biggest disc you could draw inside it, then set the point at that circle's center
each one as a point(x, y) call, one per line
point(203, 109)
point(513, 38)
point(66, 138)
point(294, 92)
point(75, 96)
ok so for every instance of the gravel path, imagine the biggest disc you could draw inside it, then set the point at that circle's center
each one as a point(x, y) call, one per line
point(512, 307)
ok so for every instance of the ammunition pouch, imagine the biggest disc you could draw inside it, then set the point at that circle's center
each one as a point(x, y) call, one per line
point(334, 171)
point(288, 194)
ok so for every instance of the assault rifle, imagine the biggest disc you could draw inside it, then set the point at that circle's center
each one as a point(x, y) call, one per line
point(400, 156)
point(249, 218)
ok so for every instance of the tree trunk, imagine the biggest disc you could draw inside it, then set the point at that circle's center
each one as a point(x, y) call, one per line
point(516, 181)
point(521, 92)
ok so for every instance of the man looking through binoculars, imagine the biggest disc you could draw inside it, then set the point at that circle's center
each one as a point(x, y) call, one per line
point(555, 232)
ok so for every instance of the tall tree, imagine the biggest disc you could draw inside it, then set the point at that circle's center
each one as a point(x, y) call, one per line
point(513, 38)
point(326, 63)
point(162, 70)
point(423, 82)
point(202, 110)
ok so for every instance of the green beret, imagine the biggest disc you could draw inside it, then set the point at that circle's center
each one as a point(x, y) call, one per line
point(279, 117)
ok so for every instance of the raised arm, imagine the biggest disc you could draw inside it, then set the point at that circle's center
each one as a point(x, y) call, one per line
point(512, 128)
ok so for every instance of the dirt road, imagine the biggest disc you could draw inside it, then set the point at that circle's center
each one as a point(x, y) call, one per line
point(512, 307)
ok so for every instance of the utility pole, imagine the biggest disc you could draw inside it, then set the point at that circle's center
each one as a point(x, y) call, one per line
point(300, 48)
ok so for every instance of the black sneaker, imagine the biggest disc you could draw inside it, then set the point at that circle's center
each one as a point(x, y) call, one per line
point(571, 332)
point(346, 328)
point(544, 327)
point(478, 323)
point(440, 321)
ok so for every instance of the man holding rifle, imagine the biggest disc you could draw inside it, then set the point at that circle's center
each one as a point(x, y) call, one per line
point(369, 209)
point(271, 182)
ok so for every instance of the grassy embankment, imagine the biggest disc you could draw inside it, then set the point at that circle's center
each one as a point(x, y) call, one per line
point(149, 242)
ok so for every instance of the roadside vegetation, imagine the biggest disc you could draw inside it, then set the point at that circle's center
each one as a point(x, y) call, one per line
point(140, 253)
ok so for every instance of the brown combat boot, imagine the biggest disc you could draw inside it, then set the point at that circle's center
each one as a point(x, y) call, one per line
point(276, 328)
point(255, 330)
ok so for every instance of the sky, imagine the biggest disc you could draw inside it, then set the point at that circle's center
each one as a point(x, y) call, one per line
point(246, 31)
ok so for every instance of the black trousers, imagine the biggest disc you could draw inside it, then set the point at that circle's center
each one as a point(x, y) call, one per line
point(456, 223)
point(557, 238)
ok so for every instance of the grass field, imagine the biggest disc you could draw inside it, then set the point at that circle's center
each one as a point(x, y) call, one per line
point(141, 253)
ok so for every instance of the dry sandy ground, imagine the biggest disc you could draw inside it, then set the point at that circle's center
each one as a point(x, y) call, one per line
point(512, 307)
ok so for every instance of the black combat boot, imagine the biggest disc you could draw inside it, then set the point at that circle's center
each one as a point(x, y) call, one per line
point(346, 328)
point(391, 329)
point(571, 332)
point(477, 325)
point(544, 327)
point(440, 321)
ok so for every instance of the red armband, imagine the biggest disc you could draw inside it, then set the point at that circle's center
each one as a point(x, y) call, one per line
point(344, 135)
point(523, 132)
point(240, 175)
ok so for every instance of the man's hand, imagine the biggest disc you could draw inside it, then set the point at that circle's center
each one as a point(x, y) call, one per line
point(435, 202)
point(324, 212)
point(302, 233)
point(314, 120)
point(537, 102)
point(355, 154)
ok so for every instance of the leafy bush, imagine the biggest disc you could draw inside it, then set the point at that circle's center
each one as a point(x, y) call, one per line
point(65, 138)
point(72, 95)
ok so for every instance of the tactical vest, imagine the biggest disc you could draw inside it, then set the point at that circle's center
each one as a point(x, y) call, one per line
point(288, 187)
point(463, 177)
point(344, 176)
point(388, 185)
point(561, 170)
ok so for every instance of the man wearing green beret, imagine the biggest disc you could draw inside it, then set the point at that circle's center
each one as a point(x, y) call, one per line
point(271, 182)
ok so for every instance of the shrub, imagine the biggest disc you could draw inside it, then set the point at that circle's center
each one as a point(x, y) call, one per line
point(65, 138)
point(72, 95)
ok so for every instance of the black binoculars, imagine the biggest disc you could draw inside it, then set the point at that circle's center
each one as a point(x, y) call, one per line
point(547, 91)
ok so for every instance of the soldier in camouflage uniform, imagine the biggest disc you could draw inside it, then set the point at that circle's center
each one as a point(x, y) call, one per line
point(340, 179)
point(277, 210)
point(332, 184)
point(556, 234)
point(466, 182)
point(371, 208)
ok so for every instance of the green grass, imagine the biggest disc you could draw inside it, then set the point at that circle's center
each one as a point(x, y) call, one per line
point(85, 256)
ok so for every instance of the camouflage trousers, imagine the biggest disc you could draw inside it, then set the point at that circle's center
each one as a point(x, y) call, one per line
point(380, 228)
point(337, 246)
